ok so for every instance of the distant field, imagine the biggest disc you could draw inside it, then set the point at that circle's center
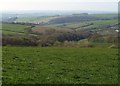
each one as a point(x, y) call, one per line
point(102, 26)
point(43, 19)
point(69, 18)
point(96, 24)
point(35, 65)
point(13, 28)
point(105, 15)
point(43, 29)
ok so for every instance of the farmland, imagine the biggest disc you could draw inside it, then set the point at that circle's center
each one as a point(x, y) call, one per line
point(50, 65)
point(105, 15)
point(102, 26)
point(101, 23)
point(61, 49)
point(14, 29)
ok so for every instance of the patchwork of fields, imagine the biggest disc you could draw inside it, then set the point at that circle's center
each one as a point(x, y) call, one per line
point(102, 26)
point(72, 49)
point(46, 19)
point(35, 65)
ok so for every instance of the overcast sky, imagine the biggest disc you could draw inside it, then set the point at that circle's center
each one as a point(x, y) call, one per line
point(90, 5)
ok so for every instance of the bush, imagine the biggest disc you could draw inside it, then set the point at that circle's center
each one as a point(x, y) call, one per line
point(69, 44)
point(57, 44)
point(85, 44)
point(15, 40)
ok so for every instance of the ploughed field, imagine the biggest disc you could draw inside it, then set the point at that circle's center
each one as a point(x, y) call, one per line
point(50, 65)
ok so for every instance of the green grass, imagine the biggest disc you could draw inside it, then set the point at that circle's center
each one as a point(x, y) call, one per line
point(102, 45)
point(35, 65)
point(99, 24)
point(13, 29)
point(105, 15)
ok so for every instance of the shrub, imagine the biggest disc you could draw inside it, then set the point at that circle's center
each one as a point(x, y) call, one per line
point(19, 40)
point(84, 43)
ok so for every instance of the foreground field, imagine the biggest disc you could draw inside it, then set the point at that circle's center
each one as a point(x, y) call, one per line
point(34, 65)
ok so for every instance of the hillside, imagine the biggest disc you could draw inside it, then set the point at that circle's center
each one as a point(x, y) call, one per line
point(93, 27)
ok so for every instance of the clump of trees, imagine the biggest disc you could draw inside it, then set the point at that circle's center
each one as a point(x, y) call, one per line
point(43, 40)
point(15, 40)
point(103, 39)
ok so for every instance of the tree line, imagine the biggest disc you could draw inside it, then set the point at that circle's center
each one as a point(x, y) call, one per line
point(58, 37)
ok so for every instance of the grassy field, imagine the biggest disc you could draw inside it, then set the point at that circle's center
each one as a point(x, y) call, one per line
point(96, 24)
point(35, 65)
point(13, 29)
point(105, 15)
point(102, 23)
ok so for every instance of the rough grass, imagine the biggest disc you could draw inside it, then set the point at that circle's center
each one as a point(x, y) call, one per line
point(35, 65)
